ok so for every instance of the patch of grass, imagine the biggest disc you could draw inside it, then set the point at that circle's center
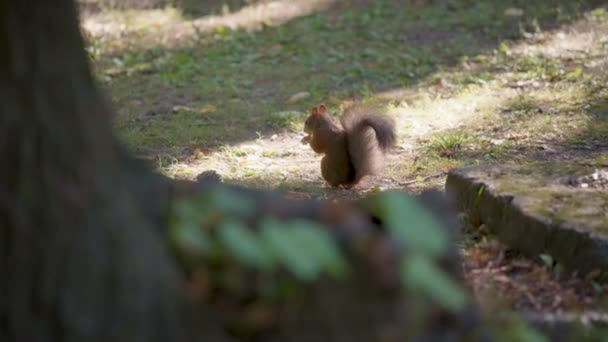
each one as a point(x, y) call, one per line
point(249, 77)
point(449, 144)
point(287, 119)
point(522, 104)
point(172, 128)
point(467, 82)
point(424, 165)
point(493, 151)
point(233, 152)
point(277, 154)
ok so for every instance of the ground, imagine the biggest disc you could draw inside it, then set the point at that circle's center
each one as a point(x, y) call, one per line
point(468, 82)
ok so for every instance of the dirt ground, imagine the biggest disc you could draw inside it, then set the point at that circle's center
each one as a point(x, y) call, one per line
point(466, 83)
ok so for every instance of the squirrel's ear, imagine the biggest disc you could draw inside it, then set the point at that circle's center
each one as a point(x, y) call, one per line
point(322, 109)
point(314, 111)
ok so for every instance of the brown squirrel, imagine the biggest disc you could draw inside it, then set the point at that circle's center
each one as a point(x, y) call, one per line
point(352, 151)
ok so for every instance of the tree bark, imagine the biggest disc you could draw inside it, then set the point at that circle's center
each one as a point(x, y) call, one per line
point(81, 258)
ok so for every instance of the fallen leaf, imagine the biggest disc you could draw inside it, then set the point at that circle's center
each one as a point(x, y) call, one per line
point(299, 96)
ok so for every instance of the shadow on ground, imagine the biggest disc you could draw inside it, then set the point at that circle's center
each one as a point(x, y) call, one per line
point(205, 89)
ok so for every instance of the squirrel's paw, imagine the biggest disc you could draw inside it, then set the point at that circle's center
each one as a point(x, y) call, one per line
point(305, 140)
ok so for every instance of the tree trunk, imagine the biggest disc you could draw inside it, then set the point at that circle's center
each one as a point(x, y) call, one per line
point(80, 253)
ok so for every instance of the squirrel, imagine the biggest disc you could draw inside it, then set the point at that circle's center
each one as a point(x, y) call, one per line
point(353, 150)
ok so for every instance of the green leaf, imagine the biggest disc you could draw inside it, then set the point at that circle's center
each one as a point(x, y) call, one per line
point(479, 196)
point(597, 287)
point(244, 244)
point(188, 235)
point(288, 249)
point(319, 245)
point(419, 273)
point(547, 259)
point(411, 223)
point(229, 201)
point(530, 334)
point(518, 330)
point(185, 209)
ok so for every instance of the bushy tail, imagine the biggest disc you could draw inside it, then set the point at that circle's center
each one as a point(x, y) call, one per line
point(357, 119)
point(369, 135)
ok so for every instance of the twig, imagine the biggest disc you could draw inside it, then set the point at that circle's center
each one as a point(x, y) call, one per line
point(424, 179)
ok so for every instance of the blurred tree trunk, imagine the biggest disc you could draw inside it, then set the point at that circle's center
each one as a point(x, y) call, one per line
point(80, 253)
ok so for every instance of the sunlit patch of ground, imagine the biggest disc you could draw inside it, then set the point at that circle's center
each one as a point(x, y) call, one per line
point(169, 28)
point(523, 99)
point(466, 86)
point(270, 13)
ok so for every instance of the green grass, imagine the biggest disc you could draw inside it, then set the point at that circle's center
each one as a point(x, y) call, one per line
point(466, 83)
point(460, 62)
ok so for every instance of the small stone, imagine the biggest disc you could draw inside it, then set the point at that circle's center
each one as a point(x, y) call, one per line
point(209, 176)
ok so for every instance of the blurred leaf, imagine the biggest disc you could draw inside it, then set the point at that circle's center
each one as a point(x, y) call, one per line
point(421, 274)
point(597, 287)
point(287, 248)
point(411, 223)
point(189, 236)
point(319, 245)
point(229, 201)
point(547, 259)
point(479, 196)
point(185, 210)
point(244, 244)
point(519, 330)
